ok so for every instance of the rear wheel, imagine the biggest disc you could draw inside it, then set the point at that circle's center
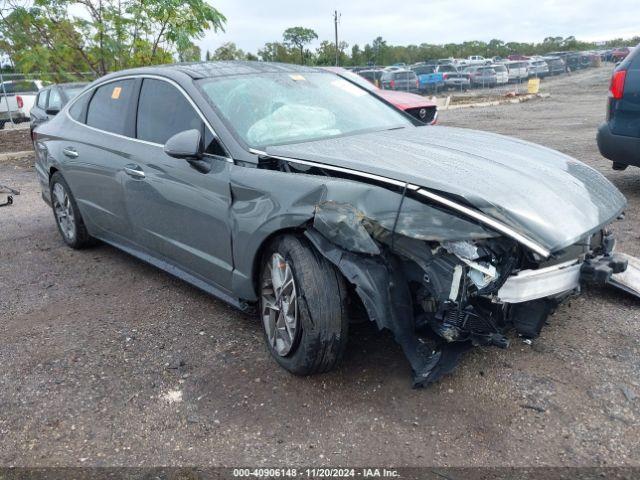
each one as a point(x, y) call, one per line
point(67, 215)
point(302, 307)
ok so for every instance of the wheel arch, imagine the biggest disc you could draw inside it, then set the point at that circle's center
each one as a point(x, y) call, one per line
point(258, 257)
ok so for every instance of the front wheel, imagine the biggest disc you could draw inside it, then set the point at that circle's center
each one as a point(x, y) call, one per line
point(302, 307)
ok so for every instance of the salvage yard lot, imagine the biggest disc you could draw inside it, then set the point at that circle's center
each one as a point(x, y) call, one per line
point(108, 361)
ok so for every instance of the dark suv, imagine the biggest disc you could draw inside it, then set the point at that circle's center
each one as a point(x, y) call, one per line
point(619, 136)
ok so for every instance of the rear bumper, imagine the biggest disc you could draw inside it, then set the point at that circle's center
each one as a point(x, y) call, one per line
point(456, 82)
point(618, 148)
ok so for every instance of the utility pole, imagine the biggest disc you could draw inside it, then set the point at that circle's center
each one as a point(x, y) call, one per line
point(336, 19)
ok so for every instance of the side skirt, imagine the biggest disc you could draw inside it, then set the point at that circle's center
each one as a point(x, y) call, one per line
point(181, 274)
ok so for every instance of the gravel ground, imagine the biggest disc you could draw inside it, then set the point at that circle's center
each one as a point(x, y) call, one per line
point(15, 140)
point(108, 361)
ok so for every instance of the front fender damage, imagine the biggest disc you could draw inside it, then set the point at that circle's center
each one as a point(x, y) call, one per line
point(380, 252)
point(386, 297)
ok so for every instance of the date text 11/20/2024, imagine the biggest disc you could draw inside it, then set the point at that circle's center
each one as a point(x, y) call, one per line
point(315, 472)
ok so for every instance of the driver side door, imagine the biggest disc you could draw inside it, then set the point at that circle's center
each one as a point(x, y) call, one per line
point(179, 214)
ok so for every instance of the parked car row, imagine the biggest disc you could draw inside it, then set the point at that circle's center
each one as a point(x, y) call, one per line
point(417, 106)
point(478, 71)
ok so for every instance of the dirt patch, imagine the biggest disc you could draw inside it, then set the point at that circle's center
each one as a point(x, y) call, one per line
point(17, 140)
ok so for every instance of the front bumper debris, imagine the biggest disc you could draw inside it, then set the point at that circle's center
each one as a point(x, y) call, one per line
point(629, 279)
point(533, 284)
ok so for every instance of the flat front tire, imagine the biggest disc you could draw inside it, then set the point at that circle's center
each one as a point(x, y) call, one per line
point(302, 307)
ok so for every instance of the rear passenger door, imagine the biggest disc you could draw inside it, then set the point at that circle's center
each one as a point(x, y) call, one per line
point(178, 213)
point(96, 154)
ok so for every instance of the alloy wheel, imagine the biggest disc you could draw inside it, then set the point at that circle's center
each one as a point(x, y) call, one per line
point(64, 212)
point(279, 305)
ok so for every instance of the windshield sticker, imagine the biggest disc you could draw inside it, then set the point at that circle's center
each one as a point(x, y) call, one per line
point(116, 93)
point(349, 88)
point(297, 77)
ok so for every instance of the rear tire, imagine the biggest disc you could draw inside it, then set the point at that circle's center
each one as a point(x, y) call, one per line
point(619, 166)
point(306, 334)
point(67, 215)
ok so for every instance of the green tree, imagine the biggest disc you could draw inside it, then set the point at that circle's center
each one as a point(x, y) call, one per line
point(356, 55)
point(298, 37)
point(191, 53)
point(102, 35)
point(380, 48)
point(326, 53)
point(276, 52)
point(228, 51)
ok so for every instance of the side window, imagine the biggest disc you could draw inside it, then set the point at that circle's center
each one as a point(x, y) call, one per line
point(54, 99)
point(163, 111)
point(109, 105)
point(78, 110)
point(42, 99)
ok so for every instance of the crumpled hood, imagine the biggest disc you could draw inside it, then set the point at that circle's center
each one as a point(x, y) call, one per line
point(550, 197)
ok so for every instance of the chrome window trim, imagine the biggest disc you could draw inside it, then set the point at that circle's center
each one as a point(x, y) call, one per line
point(155, 77)
point(481, 217)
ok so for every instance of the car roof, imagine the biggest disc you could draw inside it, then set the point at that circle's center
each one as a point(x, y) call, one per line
point(198, 70)
point(70, 84)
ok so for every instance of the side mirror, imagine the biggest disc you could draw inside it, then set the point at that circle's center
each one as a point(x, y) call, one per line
point(185, 145)
point(52, 111)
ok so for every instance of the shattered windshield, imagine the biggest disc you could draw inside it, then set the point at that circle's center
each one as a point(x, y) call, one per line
point(273, 109)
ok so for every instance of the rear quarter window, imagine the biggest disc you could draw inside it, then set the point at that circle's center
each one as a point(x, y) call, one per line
point(109, 106)
point(78, 111)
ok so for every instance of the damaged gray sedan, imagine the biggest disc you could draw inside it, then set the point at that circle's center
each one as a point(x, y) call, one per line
point(294, 193)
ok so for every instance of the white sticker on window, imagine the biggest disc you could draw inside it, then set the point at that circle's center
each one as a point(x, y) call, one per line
point(349, 87)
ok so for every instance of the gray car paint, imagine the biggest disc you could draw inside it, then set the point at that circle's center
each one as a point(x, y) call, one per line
point(528, 187)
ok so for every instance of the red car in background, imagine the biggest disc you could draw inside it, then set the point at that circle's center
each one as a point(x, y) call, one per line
point(620, 54)
point(415, 105)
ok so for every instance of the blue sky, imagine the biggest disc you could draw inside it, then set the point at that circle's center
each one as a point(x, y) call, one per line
point(251, 23)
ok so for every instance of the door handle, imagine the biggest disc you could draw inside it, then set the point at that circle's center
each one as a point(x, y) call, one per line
point(134, 171)
point(70, 152)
